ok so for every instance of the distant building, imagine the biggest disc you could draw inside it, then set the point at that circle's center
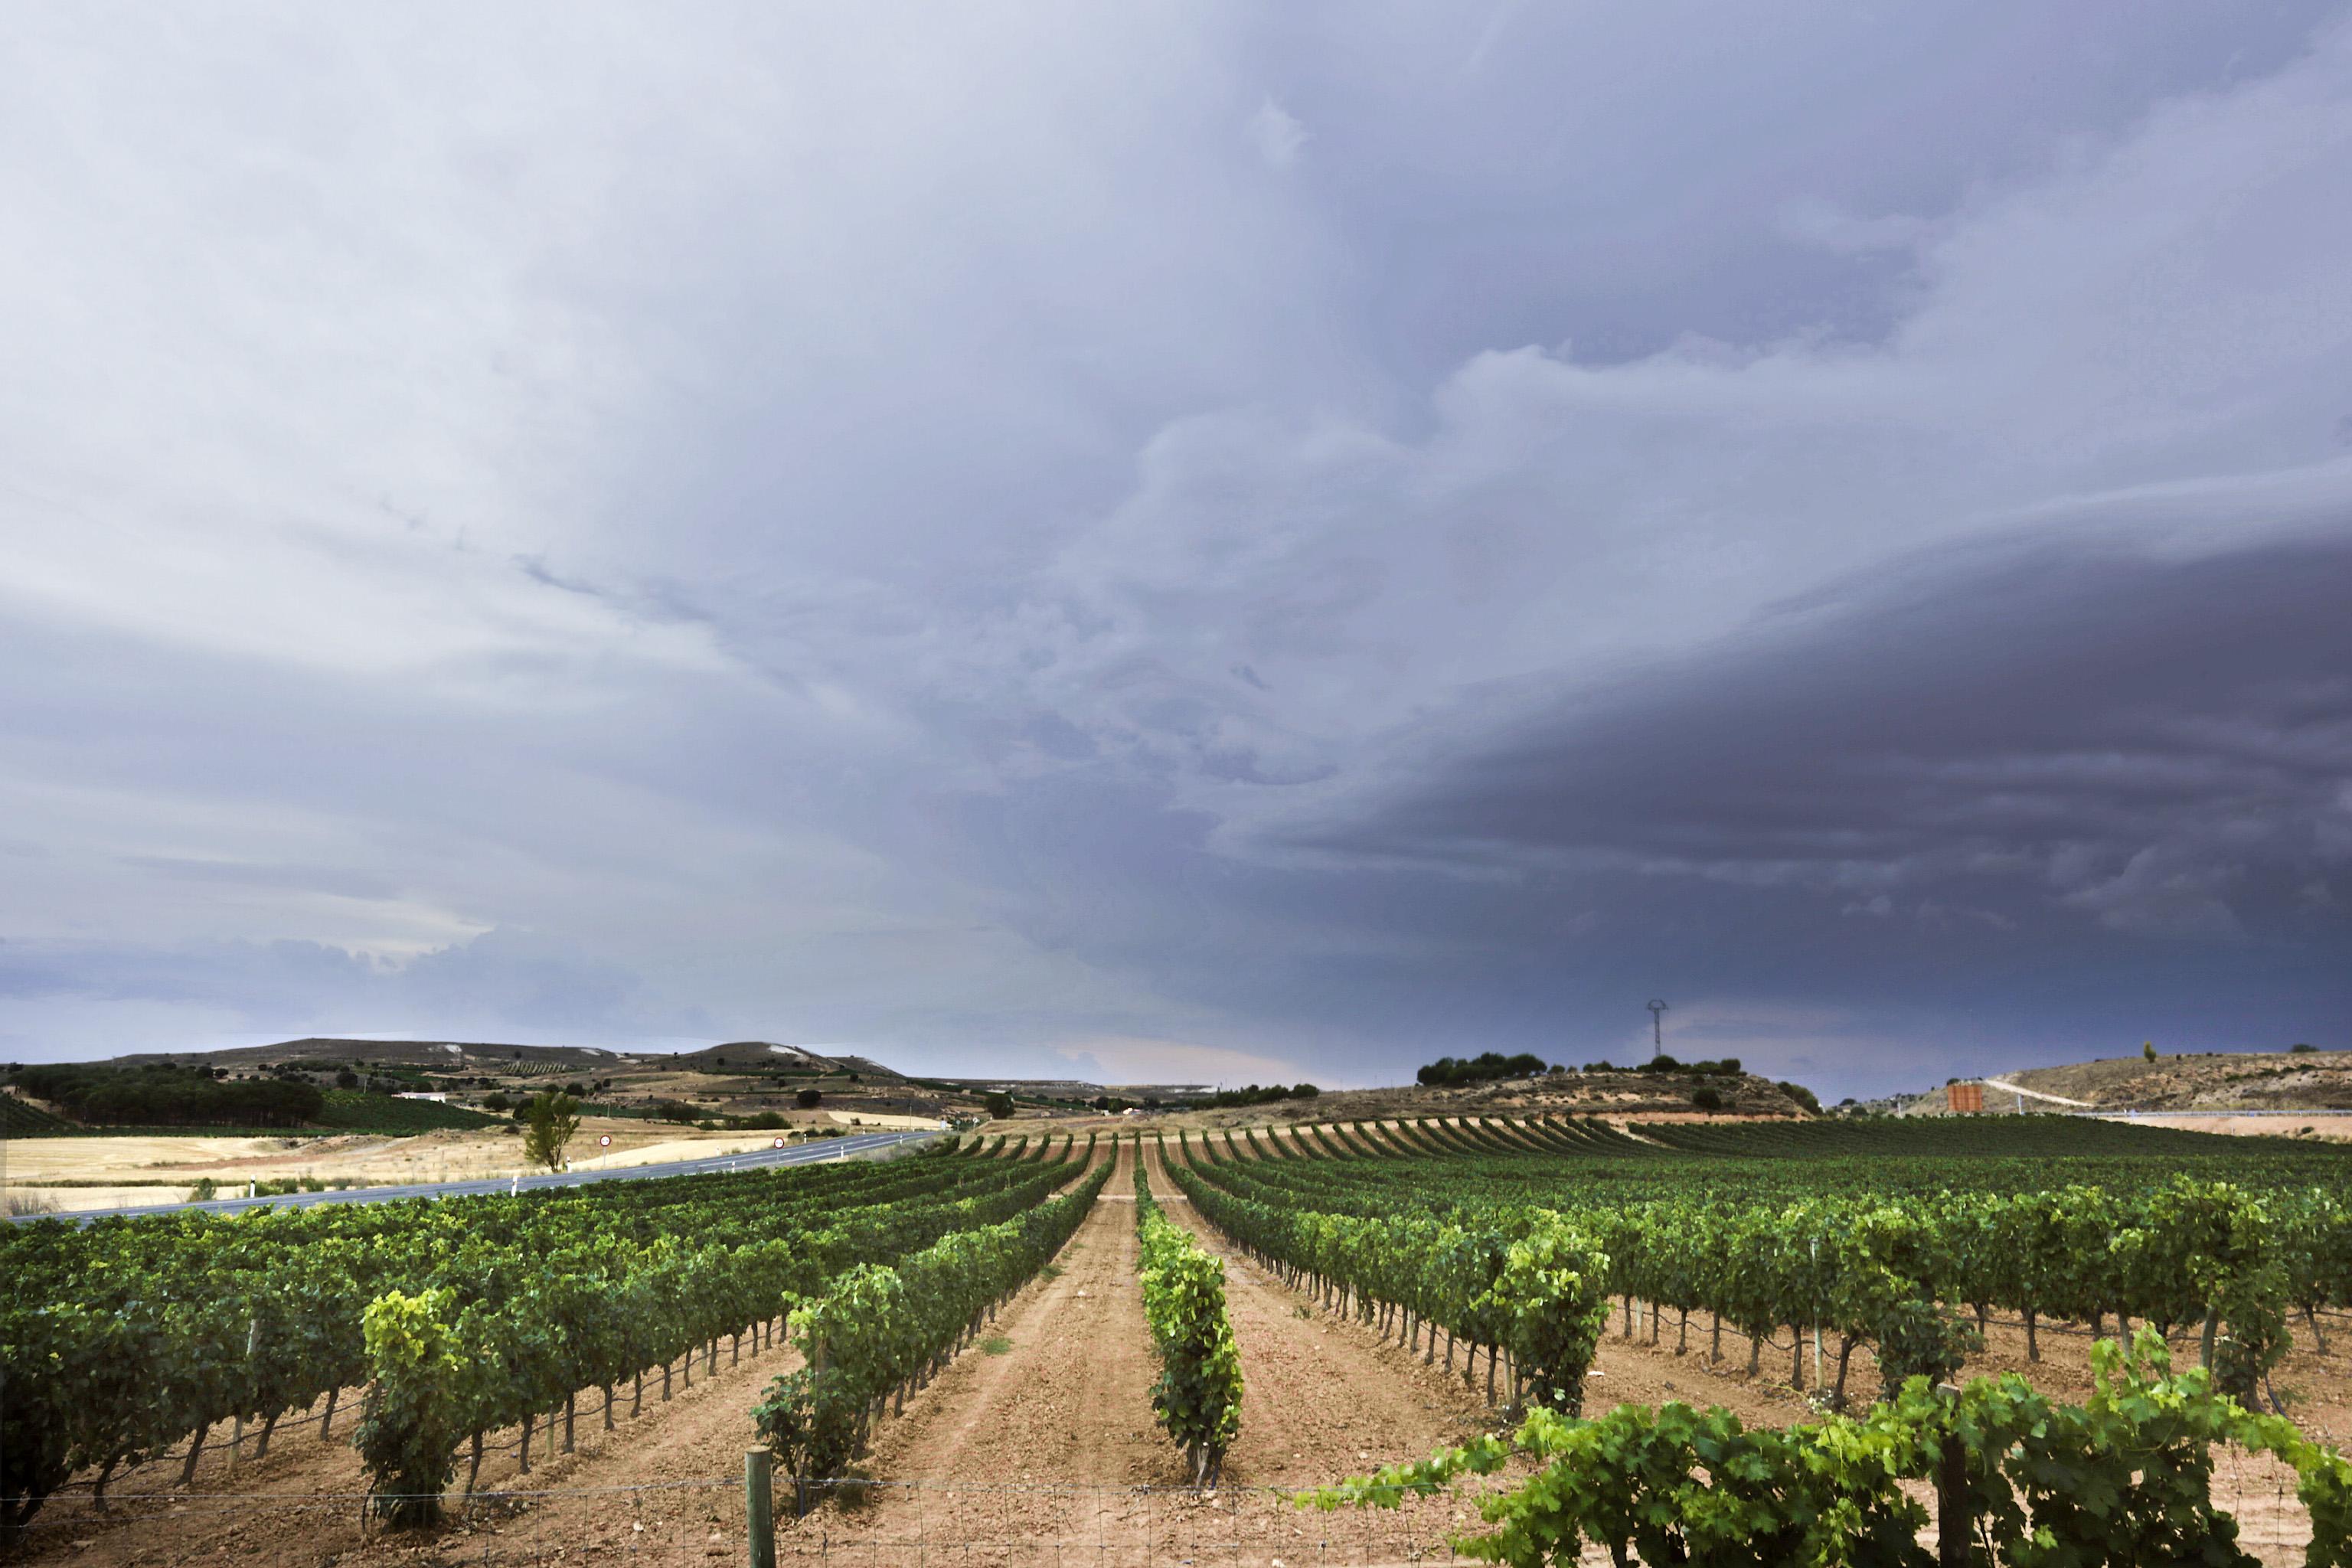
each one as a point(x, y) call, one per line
point(438, 1097)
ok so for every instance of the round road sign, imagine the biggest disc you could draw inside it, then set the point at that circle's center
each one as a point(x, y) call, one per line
point(605, 1140)
point(780, 1143)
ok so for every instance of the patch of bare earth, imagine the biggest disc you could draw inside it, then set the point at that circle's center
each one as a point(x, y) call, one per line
point(1326, 1397)
point(1042, 1452)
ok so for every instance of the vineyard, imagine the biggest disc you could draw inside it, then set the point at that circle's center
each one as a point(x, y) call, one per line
point(1519, 1238)
point(458, 1318)
point(1665, 1343)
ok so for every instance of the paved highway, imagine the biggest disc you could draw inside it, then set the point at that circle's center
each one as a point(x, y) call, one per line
point(794, 1154)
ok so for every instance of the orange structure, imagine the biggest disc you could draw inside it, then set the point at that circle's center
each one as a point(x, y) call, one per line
point(1965, 1096)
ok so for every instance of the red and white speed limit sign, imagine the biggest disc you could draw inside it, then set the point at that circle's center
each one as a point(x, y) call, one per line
point(780, 1143)
point(606, 1139)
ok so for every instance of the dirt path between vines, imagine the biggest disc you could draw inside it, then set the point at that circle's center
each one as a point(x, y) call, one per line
point(1031, 1453)
point(1324, 1397)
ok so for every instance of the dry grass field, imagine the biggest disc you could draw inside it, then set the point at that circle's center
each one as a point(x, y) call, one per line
point(101, 1169)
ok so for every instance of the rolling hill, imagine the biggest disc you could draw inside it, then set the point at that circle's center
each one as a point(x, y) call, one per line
point(2204, 1082)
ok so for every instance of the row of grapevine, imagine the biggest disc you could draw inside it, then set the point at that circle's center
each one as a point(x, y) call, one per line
point(1917, 1142)
point(1504, 1246)
point(881, 1331)
point(2123, 1481)
point(1871, 1259)
point(124, 1338)
point(1198, 1398)
point(1533, 1286)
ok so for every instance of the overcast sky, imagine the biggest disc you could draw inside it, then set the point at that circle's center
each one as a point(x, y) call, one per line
point(1220, 541)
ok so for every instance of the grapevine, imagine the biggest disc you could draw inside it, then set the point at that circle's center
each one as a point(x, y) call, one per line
point(1198, 1398)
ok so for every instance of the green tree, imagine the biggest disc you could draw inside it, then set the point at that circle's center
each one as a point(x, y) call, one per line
point(808, 1099)
point(2147, 1049)
point(552, 1121)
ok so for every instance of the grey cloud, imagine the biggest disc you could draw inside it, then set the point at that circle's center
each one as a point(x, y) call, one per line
point(339, 881)
point(499, 983)
point(2161, 742)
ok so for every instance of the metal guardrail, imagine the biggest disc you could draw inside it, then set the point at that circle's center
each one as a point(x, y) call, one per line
point(2134, 1113)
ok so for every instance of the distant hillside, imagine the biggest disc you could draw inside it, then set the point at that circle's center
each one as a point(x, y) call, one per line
point(746, 1078)
point(457, 1059)
point(765, 1056)
point(2207, 1080)
point(1079, 1088)
point(1596, 1091)
point(453, 1056)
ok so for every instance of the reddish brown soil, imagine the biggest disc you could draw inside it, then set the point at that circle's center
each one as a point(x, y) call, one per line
point(1325, 1396)
point(1044, 1449)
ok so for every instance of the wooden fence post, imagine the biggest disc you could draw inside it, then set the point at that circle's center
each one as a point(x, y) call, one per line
point(759, 1508)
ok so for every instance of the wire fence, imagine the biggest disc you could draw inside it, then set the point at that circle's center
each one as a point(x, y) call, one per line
point(702, 1522)
point(657, 1524)
point(867, 1523)
point(858, 1524)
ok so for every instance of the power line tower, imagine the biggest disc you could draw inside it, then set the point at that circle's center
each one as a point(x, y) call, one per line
point(1657, 1025)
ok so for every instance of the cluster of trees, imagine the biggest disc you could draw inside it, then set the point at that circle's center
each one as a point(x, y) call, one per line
point(1728, 1067)
point(1483, 1068)
point(166, 1096)
point(1252, 1095)
point(381, 1083)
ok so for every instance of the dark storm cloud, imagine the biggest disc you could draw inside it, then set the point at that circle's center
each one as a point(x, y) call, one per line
point(2162, 744)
